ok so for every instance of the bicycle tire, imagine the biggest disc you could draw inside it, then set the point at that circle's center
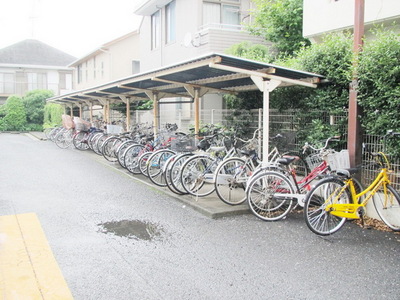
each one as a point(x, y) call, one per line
point(131, 157)
point(176, 170)
point(120, 151)
point(64, 139)
point(155, 166)
point(197, 175)
point(318, 219)
point(268, 196)
point(80, 141)
point(109, 146)
point(167, 174)
point(387, 206)
point(142, 162)
point(231, 178)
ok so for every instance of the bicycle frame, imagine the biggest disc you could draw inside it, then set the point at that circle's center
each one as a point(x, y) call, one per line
point(350, 210)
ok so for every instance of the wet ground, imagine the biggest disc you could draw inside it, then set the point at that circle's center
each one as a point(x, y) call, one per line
point(118, 238)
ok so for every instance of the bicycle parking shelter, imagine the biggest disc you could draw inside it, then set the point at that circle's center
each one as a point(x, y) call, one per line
point(192, 79)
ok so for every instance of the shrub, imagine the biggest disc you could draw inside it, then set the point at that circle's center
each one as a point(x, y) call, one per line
point(34, 102)
point(14, 114)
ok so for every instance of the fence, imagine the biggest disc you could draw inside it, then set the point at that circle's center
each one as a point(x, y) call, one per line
point(295, 125)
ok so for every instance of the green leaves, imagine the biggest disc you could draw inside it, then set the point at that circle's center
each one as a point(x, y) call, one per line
point(14, 115)
point(281, 22)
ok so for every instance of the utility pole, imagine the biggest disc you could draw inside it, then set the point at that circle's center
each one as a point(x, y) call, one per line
point(354, 141)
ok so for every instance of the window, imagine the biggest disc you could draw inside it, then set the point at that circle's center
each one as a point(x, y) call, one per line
point(37, 81)
point(221, 13)
point(155, 30)
point(135, 66)
point(94, 67)
point(170, 22)
point(86, 72)
point(79, 73)
point(7, 83)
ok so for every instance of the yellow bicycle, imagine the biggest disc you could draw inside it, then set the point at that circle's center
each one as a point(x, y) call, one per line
point(337, 198)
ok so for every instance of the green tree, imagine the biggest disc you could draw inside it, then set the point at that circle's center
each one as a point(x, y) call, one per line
point(34, 102)
point(281, 22)
point(52, 115)
point(379, 82)
point(252, 51)
point(14, 114)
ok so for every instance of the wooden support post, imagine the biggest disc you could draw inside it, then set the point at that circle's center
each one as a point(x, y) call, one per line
point(354, 142)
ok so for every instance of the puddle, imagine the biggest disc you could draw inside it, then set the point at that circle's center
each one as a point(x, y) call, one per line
point(133, 229)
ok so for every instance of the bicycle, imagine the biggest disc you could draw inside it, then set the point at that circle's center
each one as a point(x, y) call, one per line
point(337, 198)
point(276, 189)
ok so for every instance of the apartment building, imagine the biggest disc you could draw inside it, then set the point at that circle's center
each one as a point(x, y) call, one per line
point(116, 59)
point(177, 30)
point(30, 65)
point(327, 16)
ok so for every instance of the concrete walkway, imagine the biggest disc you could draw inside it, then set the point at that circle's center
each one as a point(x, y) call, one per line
point(210, 206)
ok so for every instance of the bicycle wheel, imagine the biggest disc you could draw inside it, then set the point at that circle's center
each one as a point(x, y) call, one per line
point(269, 196)
point(64, 139)
point(318, 218)
point(155, 166)
point(230, 180)
point(299, 164)
point(120, 151)
point(167, 174)
point(109, 146)
point(98, 148)
point(387, 205)
point(197, 175)
point(142, 162)
point(175, 172)
point(80, 140)
point(131, 157)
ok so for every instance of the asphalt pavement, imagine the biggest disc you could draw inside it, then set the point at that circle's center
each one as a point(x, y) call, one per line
point(118, 237)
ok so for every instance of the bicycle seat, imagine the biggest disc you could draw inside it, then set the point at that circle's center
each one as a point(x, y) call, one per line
point(346, 172)
point(286, 160)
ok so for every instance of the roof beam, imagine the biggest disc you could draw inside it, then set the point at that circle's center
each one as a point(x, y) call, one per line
point(161, 94)
point(193, 85)
point(264, 75)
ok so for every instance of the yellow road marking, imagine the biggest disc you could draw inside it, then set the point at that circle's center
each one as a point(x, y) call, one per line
point(28, 269)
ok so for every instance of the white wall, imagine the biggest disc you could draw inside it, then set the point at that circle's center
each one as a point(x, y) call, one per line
point(323, 16)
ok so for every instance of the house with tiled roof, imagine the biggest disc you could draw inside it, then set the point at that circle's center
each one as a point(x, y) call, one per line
point(31, 65)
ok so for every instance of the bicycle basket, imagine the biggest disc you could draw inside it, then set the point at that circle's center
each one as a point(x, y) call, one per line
point(339, 160)
point(183, 145)
point(204, 144)
point(313, 161)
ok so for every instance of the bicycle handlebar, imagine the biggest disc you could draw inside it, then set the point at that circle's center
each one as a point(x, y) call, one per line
point(335, 138)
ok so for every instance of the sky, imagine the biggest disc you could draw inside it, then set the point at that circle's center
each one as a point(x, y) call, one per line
point(76, 27)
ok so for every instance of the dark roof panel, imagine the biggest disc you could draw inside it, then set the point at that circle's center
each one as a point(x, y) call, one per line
point(217, 72)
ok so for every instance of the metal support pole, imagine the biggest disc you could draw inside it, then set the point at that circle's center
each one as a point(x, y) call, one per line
point(156, 114)
point(196, 111)
point(128, 114)
point(354, 141)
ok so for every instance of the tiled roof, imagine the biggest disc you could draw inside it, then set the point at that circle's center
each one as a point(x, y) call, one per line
point(34, 52)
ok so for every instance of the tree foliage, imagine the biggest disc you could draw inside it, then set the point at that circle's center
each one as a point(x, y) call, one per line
point(281, 22)
point(52, 115)
point(379, 82)
point(14, 115)
point(34, 102)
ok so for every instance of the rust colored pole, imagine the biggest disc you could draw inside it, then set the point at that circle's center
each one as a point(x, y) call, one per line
point(354, 142)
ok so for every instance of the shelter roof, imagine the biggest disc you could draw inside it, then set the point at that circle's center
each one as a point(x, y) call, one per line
point(211, 73)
